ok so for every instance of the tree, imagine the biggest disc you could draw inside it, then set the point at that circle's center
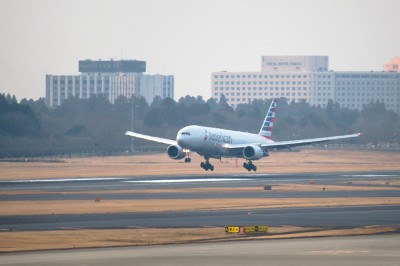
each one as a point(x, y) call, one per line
point(17, 119)
point(154, 118)
point(156, 103)
point(187, 100)
point(212, 103)
point(330, 110)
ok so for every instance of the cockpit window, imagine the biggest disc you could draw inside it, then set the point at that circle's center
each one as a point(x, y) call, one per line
point(185, 133)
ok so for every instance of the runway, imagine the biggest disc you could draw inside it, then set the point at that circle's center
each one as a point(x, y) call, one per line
point(338, 217)
point(214, 195)
point(361, 250)
point(191, 181)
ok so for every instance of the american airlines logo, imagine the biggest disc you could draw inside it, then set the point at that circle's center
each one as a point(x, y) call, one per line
point(220, 138)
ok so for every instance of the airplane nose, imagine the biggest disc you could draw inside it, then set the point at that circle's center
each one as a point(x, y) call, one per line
point(180, 139)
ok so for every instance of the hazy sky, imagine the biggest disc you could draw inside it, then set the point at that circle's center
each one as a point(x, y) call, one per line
point(188, 39)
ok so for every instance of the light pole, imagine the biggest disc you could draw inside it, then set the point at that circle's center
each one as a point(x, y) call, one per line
point(133, 125)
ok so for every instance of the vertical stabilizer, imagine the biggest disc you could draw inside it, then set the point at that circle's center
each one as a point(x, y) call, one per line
point(266, 128)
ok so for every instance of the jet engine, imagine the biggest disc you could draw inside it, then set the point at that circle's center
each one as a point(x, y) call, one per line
point(253, 152)
point(175, 152)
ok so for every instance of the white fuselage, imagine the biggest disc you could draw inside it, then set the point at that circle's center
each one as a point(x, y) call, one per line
point(212, 142)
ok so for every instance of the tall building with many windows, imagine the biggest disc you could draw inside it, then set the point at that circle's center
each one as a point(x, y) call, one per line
point(109, 78)
point(307, 78)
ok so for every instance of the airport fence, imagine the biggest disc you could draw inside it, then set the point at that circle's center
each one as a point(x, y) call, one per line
point(390, 147)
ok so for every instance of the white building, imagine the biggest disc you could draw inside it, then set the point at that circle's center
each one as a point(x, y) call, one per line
point(355, 89)
point(151, 86)
point(307, 78)
point(393, 65)
point(109, 78)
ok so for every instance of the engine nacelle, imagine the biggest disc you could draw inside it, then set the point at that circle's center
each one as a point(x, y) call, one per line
point(253, 152)
point(175, 152)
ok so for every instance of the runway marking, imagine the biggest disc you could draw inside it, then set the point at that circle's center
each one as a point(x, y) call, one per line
point(337, 252)
point(64, 180)
point(189, 180)
point(372, 175)
point(256, 175)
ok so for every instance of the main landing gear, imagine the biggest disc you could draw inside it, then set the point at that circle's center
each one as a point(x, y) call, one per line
point(206, 165)
point(250, 166)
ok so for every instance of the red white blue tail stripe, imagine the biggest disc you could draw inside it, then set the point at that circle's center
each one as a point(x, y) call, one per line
point(266, 128)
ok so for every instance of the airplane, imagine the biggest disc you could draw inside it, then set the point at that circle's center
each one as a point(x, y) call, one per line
point(216, 143)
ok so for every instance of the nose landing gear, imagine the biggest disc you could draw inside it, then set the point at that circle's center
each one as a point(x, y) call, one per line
point(250, 166)
point(187, 154)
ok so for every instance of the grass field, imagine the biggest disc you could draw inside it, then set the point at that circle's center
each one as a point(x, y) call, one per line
point(159, 164)
point(155, 205)
point(70, 239)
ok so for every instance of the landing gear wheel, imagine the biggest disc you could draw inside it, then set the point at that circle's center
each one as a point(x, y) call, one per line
point(250, 166)
point(207, 166)
point(188, 160)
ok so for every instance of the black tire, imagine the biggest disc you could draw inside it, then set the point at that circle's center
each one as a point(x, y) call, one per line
point(189, 160)
point(202, 165)
point(212, 167)
point(255, 168)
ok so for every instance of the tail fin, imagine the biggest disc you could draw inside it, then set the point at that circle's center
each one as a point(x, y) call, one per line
point(266, 128)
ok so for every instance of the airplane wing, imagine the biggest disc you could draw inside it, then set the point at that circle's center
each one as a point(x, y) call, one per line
point(303, 142)
point(151, 138)
point(292, 143)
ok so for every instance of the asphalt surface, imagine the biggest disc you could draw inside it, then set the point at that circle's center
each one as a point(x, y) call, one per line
point(360, 250)
point(338, 217)
point(324, 216)
point(261, 194)
point(182, 181)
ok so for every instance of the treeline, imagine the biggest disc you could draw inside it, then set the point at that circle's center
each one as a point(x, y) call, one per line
point(95, 126)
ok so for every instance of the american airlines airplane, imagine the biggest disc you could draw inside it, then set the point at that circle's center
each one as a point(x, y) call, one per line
point(216, 143)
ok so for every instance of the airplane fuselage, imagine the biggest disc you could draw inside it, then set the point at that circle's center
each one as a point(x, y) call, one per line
point(212, 142)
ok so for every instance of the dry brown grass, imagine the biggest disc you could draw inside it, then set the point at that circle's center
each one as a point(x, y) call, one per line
point(316, 187)
point(377, 183)
point(369, 230)
point(154, 205)
point(160, 164)
point(69, 239)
